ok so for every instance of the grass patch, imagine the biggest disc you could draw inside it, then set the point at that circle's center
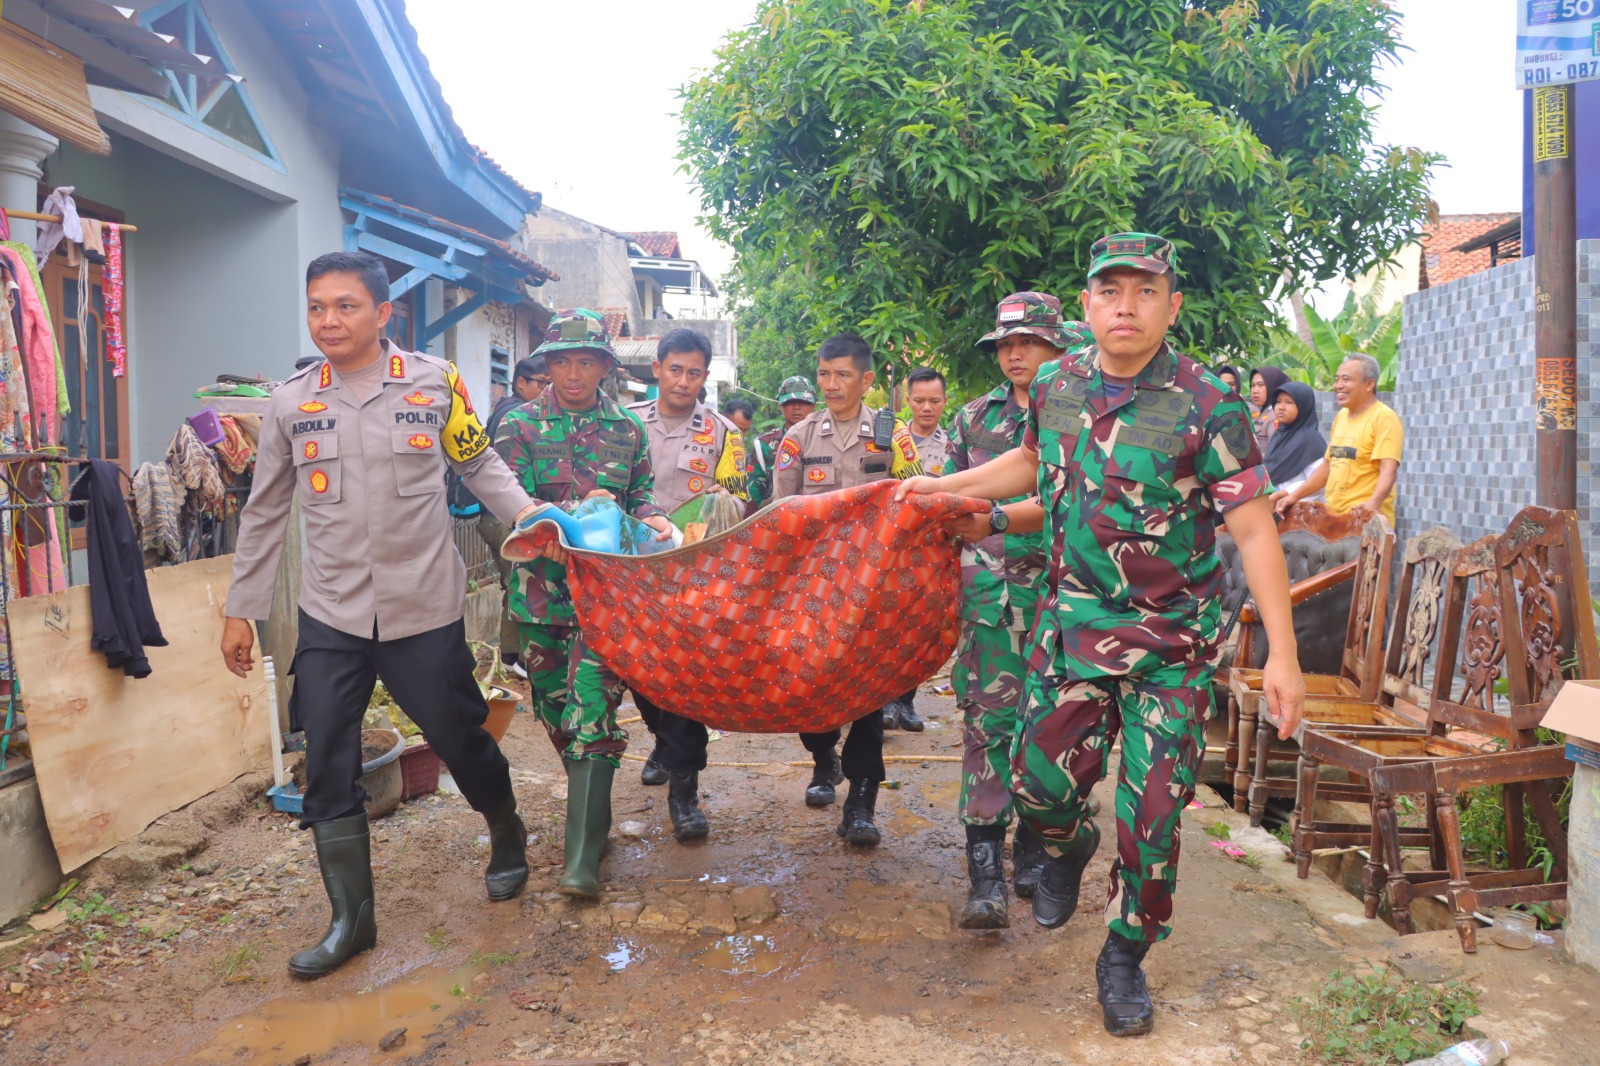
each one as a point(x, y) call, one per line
point(238, 964)
point(1375, 1018)
point(437, 939)
point(1285, 837)
point(1219, 830)
point(491, 958)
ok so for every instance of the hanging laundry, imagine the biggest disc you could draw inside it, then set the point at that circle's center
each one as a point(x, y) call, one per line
point(5, 225)
point(94, 242)
point(119, 598)
point(195, 468)
point(116, 345)
point(156, 503)
point(239, 436)
point(14, 434)
point(37, 341)
point(59, 202)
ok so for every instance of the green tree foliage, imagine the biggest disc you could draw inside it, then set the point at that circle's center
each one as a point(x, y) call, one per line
point(1358, 327)
point(897, 166)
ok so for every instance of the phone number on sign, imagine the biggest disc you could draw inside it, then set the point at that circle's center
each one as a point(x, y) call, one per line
point(1551, 74)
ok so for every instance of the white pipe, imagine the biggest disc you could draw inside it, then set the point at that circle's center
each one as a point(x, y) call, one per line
point(279, 777)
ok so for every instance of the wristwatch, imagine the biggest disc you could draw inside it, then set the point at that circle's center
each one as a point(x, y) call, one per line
point(999, 521)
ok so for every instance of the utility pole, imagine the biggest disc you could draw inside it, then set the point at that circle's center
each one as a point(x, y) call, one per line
point(1555, 275)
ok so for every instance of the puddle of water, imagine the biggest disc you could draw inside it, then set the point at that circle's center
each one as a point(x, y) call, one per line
point(626, 954)
point(743, 954)
point(709, 879)
point(284, 1030)
point(944, 795)
point(907, 821)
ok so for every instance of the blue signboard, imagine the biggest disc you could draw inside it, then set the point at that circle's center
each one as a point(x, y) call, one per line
point(1558, 42)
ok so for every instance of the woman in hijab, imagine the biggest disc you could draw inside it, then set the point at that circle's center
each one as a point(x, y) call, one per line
point(1230, 377)
point(1298, 444)
point(1265, 381)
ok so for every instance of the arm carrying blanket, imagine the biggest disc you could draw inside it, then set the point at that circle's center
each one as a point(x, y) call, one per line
point(807, 616)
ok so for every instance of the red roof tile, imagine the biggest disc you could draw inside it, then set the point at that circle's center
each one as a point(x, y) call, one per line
point(1441, 262)
point(660, 243)
point(616, 321)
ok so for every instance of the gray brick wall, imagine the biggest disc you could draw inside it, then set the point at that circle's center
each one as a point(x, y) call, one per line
point(1465, 392)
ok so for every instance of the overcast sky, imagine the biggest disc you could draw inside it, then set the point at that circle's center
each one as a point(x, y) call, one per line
point(578, 100)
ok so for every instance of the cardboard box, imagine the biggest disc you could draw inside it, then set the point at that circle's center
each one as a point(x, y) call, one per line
point(1576, 712)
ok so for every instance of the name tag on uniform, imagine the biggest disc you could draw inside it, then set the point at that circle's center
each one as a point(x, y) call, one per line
point(611, 453)
point(817, 460)
point(1150, 440)
point(1060, 413)
point(556, 452)
point(985, 441)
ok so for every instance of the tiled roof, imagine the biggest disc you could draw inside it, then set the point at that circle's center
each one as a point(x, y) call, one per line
point(616, 321)
point(1441, 262)
point(663, 244)
point(635, 351)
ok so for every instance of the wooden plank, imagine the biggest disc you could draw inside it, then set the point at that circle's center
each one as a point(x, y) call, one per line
point(112, 753)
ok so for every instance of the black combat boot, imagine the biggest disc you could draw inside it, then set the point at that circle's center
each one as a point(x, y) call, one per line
point(1027, 861)
point(986, 898)
point(1057, 895)
point(856, 825)
point(508, 851)
point(891, 714)
point(825, 774)
point(910, 721)
point(683, 803)
point(344, 855)
point(1124, 997)
point(653, 773)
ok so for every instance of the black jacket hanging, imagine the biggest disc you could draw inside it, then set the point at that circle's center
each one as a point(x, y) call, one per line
point(124, 621)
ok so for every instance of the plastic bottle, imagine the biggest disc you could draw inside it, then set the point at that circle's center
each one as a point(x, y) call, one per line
point(1468, 1053)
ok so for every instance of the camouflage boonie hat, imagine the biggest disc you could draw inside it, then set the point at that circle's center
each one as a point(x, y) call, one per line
point(577, 328)
point(1036, 313)
point(1136, 251)
point(797, 389)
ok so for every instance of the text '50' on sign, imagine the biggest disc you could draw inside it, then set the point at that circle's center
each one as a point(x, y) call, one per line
point(1558, 42)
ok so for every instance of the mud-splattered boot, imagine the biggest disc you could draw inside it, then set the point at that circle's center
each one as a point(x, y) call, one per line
point(859, 806)
point(588, 825)
point(653, 773)
point(508, 851)
point(986, 898)
point(1027, 861)
point(825, 774)
point(683, 804)
point(344, 855)
point(1056, 898)
point(1124, 996)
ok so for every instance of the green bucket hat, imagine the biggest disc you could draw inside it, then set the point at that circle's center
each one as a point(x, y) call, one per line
point(796, 389)
point(577, 328)
point(1136, 251)
point(1038, 314)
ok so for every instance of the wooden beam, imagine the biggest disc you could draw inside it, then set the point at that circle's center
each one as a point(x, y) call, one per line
point(451, 317)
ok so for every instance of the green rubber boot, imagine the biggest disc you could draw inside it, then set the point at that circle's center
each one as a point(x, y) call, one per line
point(588, 825)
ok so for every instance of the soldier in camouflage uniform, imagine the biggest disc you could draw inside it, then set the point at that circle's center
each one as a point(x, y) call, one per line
point(841, 446)
point(1136, 451)
point(570, 444)
point(798, 399)
point(1002, 571)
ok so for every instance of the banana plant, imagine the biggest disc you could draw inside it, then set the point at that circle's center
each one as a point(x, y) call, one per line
point(1358, 328)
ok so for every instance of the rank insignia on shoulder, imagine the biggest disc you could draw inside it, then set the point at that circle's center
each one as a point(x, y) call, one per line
point(325, 376)
point(422, 442)
point(312, 407)
point(319, 482)
point(416, 399)
point(397, 366)
point(311, 450)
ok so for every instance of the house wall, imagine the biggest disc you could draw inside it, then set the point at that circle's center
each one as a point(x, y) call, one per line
point(1465, 393)
point(215, 272)
point(592, 264)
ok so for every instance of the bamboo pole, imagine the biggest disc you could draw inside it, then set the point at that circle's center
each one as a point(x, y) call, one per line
point(34, 216)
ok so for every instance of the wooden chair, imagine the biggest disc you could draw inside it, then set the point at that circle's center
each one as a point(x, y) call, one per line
point(1544, 627)
point(1359, 678)
point(1356, 737)
point(1322, 550)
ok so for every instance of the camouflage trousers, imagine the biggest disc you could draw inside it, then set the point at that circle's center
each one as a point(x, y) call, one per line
point(991, 666)
point(574, 694)
point(1068, 726)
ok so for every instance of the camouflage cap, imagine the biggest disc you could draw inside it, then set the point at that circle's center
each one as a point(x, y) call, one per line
point(1135, 251)
point(577, 328)
point(797, 389)
point(1035, 313)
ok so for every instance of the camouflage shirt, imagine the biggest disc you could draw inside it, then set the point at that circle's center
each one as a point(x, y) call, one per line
point(1133, 487)
point(1001, 575)
point(760, 459)
point(561, 456)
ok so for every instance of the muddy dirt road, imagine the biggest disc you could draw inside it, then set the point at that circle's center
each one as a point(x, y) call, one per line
point(771, 942)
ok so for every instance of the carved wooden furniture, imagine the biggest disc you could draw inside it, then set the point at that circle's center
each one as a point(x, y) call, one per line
point(1544, 628)
point(1321, 550)
point(1359, 678)
point(1356, 736)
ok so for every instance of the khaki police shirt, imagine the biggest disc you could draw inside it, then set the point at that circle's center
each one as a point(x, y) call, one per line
point(819, 455)
point(370, 481)
point(706, 449)
point(934, 452)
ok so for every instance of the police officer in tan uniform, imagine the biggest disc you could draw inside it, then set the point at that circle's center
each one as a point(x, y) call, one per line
point(840, 446)
point(362, 440)
point(694, 451)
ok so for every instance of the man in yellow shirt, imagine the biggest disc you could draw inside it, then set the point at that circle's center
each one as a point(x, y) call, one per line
point(1358, 472)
